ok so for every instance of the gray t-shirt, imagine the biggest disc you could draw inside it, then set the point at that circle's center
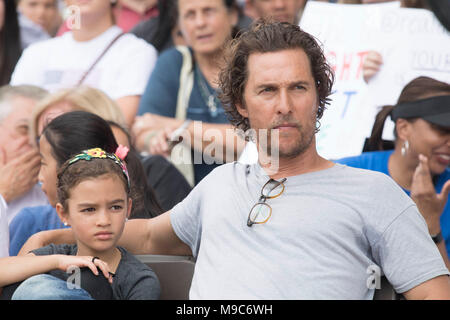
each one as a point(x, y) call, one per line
point(327, 231)
point(133, 279)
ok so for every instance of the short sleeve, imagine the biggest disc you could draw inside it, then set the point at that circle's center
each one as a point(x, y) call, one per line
point(20, 229)
point(406, 252)
point(185, 218)
point(160, 95)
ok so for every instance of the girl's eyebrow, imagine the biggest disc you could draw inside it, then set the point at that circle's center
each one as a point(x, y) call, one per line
point(87, 204)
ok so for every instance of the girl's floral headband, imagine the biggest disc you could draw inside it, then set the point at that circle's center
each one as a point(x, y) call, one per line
point(98, 153)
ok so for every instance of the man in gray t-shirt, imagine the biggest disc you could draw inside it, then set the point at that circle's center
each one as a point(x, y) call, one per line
point(328, 230)
point(295, 225)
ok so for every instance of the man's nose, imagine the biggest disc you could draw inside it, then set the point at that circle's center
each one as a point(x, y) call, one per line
point(284, 105)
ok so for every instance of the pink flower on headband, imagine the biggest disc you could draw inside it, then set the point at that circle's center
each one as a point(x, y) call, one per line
point(121, 152)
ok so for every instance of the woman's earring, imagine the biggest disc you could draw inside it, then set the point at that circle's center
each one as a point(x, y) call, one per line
point(65, 223)
point(405, 147)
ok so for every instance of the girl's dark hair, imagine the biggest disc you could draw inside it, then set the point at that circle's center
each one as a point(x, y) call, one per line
point(146, 204)
point(70, 175)
point(73, 132)
point(10, 47)
point(76, 131)
point(417, 89)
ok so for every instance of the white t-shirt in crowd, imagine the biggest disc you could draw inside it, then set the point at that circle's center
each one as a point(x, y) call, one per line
point(61, 62)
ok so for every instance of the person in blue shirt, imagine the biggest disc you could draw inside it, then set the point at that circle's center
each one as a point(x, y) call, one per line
point(420, 160)
point(206, 26)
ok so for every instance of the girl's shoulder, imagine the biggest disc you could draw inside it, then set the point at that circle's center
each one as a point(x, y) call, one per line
point(134, 280)
point(66, 249)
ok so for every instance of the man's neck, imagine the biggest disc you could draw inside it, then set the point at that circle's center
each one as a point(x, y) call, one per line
point(306, 162)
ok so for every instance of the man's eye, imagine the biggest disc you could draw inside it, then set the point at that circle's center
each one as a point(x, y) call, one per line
point(88, 210)
point(116, 208)
point(268, 89)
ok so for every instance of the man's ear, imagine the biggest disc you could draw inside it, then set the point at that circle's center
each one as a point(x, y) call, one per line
point(62, 214)
point(242, 110)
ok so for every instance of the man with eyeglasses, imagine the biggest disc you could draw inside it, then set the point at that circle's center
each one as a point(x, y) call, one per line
point(294, 225)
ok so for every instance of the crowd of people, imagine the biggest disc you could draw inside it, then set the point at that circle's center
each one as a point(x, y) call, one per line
point(122, 124)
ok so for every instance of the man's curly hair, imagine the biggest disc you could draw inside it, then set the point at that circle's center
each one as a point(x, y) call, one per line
point(267, 36)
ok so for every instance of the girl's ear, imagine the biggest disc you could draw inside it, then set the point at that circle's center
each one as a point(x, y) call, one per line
point(62, 214)
point(130, 205)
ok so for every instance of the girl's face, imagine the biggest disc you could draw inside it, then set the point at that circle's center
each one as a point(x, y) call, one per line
point(48, 172)
point(97, 209)
point(206, 24)
point(431, 141)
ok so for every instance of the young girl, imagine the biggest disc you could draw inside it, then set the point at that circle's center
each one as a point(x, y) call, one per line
point(64, 136)
point(94, 199)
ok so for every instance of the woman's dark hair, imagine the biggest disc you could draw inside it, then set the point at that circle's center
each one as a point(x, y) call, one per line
point(417, 89)
point(268, 36)
point(10, 48)
point(167, 19)
point(72, 132)
point(146, 204)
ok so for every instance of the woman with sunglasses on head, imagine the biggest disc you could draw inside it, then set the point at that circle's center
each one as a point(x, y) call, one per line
point(420, 160)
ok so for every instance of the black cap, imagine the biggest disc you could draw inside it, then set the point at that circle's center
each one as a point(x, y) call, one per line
point(435, 110)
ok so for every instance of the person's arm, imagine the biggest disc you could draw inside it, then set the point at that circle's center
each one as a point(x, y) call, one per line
point(44, 238)
point(140, 236)
point(219, 140)
point(15, 269)
point(435, 289)
point(153, 236)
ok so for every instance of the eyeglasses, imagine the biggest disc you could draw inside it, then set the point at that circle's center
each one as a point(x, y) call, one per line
point(261, 211)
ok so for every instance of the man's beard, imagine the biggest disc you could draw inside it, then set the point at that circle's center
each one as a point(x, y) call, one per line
point(269, 140)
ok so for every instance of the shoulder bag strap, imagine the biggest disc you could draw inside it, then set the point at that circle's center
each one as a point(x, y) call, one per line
point(99, 58)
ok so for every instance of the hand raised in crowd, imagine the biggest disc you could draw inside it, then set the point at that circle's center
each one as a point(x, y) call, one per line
point(371, 65)
point(429, 203)
point(18, 175)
